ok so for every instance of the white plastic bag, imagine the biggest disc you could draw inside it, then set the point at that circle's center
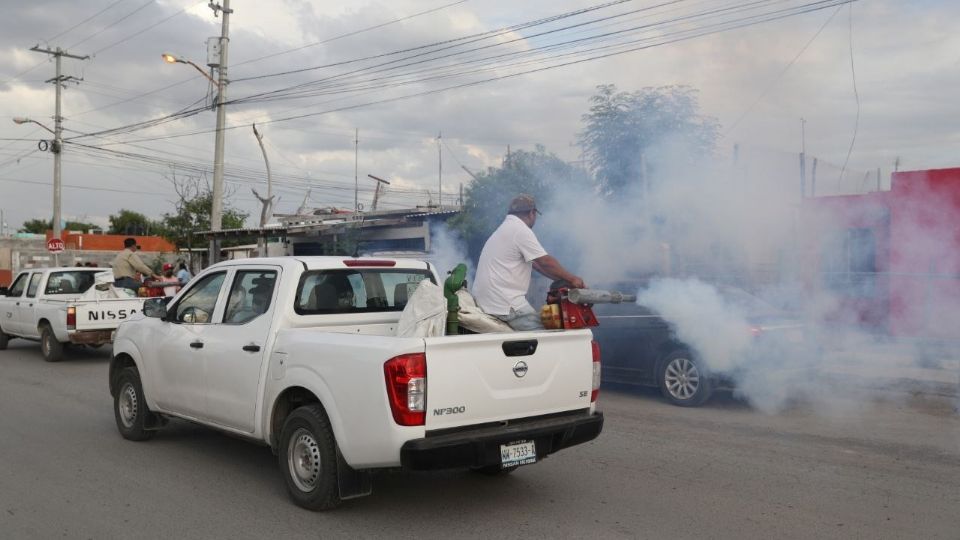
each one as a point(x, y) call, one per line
point(425, 314)
point(474, 319)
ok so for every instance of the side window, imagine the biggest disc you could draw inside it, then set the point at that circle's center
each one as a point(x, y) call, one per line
point(34, 284)
point(356, 291)
point(19, 285)
point(197, 304)
point(250, 295)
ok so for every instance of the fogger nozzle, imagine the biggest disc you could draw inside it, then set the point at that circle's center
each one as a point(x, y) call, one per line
point(599, 296)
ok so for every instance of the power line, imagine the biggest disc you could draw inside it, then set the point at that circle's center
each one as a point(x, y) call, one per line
point(145, 29)
point(114, 23)
point(783, 72)
point(88, 19)
point(856, 94)
point(630, 47)
point(349, 34)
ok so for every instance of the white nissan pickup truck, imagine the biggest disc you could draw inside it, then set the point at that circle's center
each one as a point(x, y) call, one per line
point(49, 305)
point(301, 354)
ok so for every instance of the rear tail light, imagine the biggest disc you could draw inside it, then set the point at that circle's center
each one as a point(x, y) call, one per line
point(596, 371)
point(71, 318)
point(406, 377)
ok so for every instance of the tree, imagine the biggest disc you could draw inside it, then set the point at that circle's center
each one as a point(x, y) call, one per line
point(538, 173)
point(621, 130)
point(192, 213)
point(39, 226)
point(132, 223)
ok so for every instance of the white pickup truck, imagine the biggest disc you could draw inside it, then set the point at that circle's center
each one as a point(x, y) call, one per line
point(301, 354)
point(47, 305)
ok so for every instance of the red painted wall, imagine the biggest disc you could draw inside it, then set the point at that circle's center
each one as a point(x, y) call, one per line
point(916, 228)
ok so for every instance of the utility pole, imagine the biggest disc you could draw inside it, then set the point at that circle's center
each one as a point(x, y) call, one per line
point(439, 171)
point(356, 178)
point(376, 193)
point(216, 211)
point(57, 145)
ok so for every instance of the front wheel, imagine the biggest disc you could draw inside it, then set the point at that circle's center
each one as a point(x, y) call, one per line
point(683, 380)
point(308, 458)
point(51, 348)
point(4, 339)
point(130, 408)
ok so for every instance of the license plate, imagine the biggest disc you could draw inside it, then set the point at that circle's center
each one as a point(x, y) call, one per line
point(518, 453)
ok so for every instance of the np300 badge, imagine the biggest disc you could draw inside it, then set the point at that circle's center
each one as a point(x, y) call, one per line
point(520, 369)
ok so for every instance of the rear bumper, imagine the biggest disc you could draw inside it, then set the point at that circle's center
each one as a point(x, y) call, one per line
point(480, 447)
point(91, 337)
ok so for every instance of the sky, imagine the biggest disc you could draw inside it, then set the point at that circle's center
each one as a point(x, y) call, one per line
point(899, 59)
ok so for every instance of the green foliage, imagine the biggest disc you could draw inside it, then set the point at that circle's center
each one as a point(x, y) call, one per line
point(192, 215)
point(132, 223)
point(620, 127)
point(538, 173)
point(40, 226)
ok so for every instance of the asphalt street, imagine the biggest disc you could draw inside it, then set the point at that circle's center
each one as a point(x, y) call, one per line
point(874, 469)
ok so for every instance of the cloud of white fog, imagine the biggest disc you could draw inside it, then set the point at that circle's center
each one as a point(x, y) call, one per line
point(447, 251)
point(717, 330)
point(872, 321)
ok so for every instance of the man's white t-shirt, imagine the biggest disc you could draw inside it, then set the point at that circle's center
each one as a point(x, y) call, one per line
point(506, 262)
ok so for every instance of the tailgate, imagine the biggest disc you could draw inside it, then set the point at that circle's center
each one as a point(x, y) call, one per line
point(482, 378)
point(106, 314)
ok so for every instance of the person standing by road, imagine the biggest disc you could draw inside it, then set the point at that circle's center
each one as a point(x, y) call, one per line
point(126, 265)
point(168, 277)
point(506, 264)
point(183, 274)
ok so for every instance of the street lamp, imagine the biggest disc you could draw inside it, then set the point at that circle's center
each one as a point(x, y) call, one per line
point(216, 210)
point(56, 147)
point(22, 120)
point(171, 59)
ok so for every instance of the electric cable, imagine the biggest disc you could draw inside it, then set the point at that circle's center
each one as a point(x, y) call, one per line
point(856, 94)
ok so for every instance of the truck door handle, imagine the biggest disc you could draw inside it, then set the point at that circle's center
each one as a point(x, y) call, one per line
point(197, 345)
point(520, 348)
point(251, 348)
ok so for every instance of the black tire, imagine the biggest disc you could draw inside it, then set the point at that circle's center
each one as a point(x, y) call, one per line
point(51, 349)
point(130, 408)
point(308, 458)
point(4, 339)
point(683, 380)
point(494, 470)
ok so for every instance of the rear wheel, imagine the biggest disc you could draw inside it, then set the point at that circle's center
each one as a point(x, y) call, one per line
point(130, 408)
point(4, 339)
point(308, 458)
point(51, 348)
point(683, 380)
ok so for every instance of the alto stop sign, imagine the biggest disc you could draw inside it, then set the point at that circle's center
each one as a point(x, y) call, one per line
point(55, 245)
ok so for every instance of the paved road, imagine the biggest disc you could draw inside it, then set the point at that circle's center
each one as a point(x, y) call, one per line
point(861, 470)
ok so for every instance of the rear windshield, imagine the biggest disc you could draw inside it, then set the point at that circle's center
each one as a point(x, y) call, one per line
point(69, 282)
point(361, 290)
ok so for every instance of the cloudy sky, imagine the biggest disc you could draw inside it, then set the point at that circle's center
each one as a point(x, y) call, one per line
point(402, 71)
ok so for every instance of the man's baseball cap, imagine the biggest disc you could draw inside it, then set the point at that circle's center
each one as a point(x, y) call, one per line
point(523, 203)
point(129, 242)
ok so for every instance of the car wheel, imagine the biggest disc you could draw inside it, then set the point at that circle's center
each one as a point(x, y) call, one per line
point(683, 380)
point(308, 458)
point(51, 349)
point(130, 408)
point(4, 339)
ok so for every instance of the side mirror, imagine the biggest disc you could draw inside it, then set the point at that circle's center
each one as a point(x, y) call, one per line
point(155, 307)
point(4, 291)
